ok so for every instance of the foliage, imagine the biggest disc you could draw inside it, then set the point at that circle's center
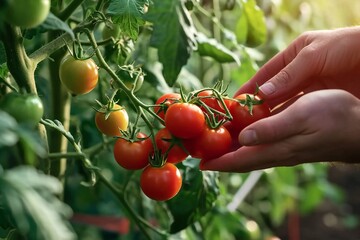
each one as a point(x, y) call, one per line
point(59, 180)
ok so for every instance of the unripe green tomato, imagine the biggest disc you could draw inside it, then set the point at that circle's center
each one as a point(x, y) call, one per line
point(78, 76)
point(27, 13)
point(27, 108)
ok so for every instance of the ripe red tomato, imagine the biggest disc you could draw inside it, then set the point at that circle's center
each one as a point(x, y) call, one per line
point(211, 143)
point(241, 113)
point(185, 120)
point(78, 76)
point(116, 121)
point(167, 144)
point(133, 155)
point(161, 183)
point(163, 103)
point(208, 97)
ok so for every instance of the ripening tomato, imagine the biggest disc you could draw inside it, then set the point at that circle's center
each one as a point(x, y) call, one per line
point(133, 155)
point(211, 143)
point(27, 13)
point(161, 183)
point(25, 108)
point(170, 145)
point(208, 97)
point(111, 124)
point(247, 109)
point(163, 103)
point(185, 120)
point(78, 76)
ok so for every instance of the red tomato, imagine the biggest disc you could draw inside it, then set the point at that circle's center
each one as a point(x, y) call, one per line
point(161, 183)
point(167, 144)
point(163, 103)
point(133, 155)
point(213, 102)
point(185, 120)
point(240, 111)
point(211, 143)
point(118, 119)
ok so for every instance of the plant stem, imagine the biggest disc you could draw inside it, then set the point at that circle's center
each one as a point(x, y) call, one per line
point(67, 12)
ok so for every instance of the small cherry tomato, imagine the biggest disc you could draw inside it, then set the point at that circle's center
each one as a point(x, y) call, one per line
point(161, 183)
point(211, 143)
point(26, 108)
point(27, 13)
point(133, 155)
point(185, 120)
point(208, 97)
point(163, 103)
point(111, 124)
point(78, 76)
point(168, 144)
point(247, 109)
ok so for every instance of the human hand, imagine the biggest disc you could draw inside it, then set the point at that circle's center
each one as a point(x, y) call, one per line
point(315, 60)
point(320, 126)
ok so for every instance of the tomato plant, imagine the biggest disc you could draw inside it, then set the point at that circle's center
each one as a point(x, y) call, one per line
point(25, 108)
point(111, 31)
point(247, 109)
point(79, 76)
point(161, 183)
point(111, 121)
point(133, 154)
point(211, 143)
point(170, 146)
point(163, 103)
point(185, 120)
point(27, 14)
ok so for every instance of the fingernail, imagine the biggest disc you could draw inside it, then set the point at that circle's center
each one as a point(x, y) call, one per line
point(248, 137)
point(267, 88)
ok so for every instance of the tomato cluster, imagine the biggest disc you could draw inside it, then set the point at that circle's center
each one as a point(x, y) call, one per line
point(202, 125)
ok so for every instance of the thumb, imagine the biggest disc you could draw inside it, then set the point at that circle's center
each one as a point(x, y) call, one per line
point(274, 128)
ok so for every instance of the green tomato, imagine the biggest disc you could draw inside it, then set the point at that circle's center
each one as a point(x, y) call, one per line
point(27, 108)
point(27, 13)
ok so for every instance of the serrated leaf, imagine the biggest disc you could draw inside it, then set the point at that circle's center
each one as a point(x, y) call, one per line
point(257, 32)
point(196, 198)
point(29, 198)
point(51, 23)
point(210, 47)
point(128, 15)
point(173, 35)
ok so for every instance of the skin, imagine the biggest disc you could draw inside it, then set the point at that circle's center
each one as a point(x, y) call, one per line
point(313, 88)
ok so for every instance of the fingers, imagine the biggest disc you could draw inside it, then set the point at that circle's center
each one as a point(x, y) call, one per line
point(274, 128)
point(247, 159)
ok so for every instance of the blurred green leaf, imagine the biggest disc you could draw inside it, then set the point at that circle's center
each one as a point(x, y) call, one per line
point(241, 28)
point(257, 32)
point(196, 197)
point(173, 36)
point(210, 47)
point(8, 124)
point(128, 15)
point(29, 198)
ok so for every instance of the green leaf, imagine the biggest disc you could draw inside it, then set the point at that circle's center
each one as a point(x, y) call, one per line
point(196, 198)
point(128, 15)
point(173, 36)
point(51, 23)
point(8, 136)
point(29, 198)
point(257, 32)
point(210, 47)
point(241, 28)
